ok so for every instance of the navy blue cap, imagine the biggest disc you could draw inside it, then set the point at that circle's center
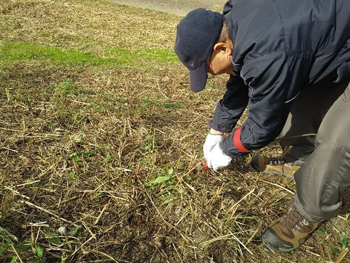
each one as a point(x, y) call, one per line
point(197, 34)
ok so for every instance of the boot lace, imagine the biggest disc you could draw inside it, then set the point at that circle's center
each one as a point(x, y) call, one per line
point(276, 161)
point(294, 220)
point(279, 160)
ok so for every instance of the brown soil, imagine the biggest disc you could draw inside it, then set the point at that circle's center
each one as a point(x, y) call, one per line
point(109, 146)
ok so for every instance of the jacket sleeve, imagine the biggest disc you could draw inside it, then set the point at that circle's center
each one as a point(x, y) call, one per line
point(274, 81)
point(230, 108)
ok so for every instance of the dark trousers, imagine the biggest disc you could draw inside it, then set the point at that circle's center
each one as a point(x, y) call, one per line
point(318, 129)
point(304, 120)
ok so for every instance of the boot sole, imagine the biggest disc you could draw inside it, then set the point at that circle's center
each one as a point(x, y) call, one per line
point(274, 242)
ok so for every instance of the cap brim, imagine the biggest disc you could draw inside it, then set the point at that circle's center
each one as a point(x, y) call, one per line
point(198, 78)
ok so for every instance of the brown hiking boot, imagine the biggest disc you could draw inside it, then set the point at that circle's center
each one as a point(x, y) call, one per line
point(288, 232)
point(273, 165)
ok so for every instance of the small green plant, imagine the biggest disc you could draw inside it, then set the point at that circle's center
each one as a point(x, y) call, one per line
point(172, 105)
point(73, 175)
point(39, 251)
point(7, 245)
point(344, 242)
point(320, 232)
point(163, 179)
point(75, 157)
point(76, 232)
point(53, 238)
point(88, 153)
point(67, 87)
point(5, 241)
point(3, 217)
point(108, 158)
point(78, 117)
point(14, 259)
point(168, 105)
point(148, 144)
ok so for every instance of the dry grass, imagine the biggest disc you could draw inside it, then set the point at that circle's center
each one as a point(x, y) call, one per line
point(113, 152)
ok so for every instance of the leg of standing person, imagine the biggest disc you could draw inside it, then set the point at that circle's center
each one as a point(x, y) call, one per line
point(326, 173)
point(320, 181)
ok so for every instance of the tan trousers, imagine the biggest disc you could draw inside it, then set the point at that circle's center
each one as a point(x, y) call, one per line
point(325, 172)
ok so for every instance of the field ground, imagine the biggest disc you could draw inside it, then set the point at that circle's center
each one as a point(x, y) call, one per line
point(177, 7)
point(101, 148)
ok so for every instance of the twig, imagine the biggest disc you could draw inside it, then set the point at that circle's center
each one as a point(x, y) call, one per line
point(302, 135)
point(224, 238)
point(40, 224)
point(342, 255)
point(279, 186)
point(244, 197)
point(178, 222)
point(48, 169)
point(161, 92)
point(177, 252)
point(104, 254)
point(208, 242)
point(10, 235)
point(17, 193)
point(87, 241)
point(313, 253)
point(99, 216)
point(80, 102)
point(8, 94)
point(88, 229)
point(254, 234)
point(14, 250)
point(239, 241)
point(5, 148)
point(49, 212)
point(68, 200)
point(32, 182)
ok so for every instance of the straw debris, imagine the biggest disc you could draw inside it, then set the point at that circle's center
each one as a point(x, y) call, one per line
point(100, 136)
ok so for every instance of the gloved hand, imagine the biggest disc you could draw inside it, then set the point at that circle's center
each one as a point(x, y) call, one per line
point(217, 159)
point(210, 142)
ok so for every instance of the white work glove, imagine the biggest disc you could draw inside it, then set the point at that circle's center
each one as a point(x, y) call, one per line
point(217, 158)
point(210, 142)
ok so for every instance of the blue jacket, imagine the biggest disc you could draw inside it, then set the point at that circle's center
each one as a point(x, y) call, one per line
point(280, 48)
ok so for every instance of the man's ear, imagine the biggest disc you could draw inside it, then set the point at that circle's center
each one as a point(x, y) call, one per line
point(219, 46)
point(223, 46)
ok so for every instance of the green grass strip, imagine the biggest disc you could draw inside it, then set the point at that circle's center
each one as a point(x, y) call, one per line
point(14, 51)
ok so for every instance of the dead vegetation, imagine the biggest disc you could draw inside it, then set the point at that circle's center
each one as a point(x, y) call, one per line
point(103, 163)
